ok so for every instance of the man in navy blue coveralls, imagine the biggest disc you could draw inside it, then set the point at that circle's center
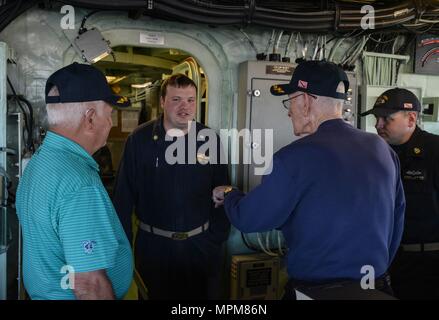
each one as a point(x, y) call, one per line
point(336, 193)
point(177, 248)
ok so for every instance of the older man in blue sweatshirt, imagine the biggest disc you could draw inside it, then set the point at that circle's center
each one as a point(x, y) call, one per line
point(336, 194)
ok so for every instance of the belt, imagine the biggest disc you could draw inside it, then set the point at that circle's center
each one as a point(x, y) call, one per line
point(382, 283)
point(173, 234)
point(420, 247)
point(379, 282)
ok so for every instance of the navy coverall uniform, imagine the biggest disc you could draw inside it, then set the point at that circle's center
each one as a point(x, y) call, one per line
point(337, 196)
point(171, 198)
point(415, 271)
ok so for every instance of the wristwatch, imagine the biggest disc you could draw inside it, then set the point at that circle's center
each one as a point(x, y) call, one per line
point(228, 189)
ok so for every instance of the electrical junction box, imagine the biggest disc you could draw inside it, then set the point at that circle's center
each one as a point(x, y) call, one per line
point(92, 46)
point(430, 108)
point(255, 277)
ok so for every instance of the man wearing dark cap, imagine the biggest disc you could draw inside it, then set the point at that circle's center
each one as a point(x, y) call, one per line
point(336, 193)
point(73, 243)
point(415, 271)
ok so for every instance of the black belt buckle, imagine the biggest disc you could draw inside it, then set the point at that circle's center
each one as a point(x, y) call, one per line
point(179, 236)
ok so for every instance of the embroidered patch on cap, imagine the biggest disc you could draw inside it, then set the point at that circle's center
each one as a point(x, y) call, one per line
point(88, 246)
point(382, 99)
point(122, 100)
point(408, 106)
point(302, 84)
point(278, 89)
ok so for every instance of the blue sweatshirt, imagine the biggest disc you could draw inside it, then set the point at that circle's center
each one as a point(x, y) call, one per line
point(337, 196)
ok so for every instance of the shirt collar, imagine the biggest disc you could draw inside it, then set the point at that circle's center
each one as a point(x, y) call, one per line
point(331, 123)
point(56, 141)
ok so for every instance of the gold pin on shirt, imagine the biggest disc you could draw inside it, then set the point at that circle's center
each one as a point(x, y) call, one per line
point(417, 150)
point(202, 158)
point(155, 138)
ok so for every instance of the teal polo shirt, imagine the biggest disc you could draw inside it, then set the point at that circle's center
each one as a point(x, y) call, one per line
point(68, 222)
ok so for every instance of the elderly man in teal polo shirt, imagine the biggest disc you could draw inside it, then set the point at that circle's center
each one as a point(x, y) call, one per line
point(73, 243)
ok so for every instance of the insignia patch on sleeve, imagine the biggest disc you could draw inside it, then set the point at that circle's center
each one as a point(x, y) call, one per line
point(88, 246)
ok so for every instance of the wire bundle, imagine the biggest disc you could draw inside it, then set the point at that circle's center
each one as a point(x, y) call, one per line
point(303, 16)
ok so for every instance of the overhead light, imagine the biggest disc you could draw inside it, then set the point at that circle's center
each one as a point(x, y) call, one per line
point(92, 46)
point(141, 85)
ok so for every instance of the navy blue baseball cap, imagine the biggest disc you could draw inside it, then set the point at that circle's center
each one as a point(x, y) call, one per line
point(315, 77)
point(81, 83)
point(394, 100)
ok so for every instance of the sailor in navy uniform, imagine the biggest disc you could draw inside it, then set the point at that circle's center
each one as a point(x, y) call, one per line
point(415, 271)
point(178, 245)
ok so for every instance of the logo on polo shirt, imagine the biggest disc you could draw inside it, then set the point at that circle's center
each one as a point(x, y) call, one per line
point(88, 246)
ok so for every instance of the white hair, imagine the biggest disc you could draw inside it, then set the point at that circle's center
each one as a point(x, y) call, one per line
point(68, 115)
point(332, 104)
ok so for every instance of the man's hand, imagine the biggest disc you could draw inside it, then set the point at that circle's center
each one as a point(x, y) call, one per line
point(93, 285)
point(218, 195)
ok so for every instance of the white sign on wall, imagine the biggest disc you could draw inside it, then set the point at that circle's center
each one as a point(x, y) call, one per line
point(156, 38)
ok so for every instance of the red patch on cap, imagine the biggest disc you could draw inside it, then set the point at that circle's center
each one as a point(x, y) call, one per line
point(408, 106)
point(303, 84)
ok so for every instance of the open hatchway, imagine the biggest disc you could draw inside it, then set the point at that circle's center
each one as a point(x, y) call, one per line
point(137, 73)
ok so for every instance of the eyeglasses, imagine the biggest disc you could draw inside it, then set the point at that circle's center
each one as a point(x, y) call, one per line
point(287, 102)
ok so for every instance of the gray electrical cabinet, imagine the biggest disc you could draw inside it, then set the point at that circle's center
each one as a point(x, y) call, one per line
point(259, 109)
